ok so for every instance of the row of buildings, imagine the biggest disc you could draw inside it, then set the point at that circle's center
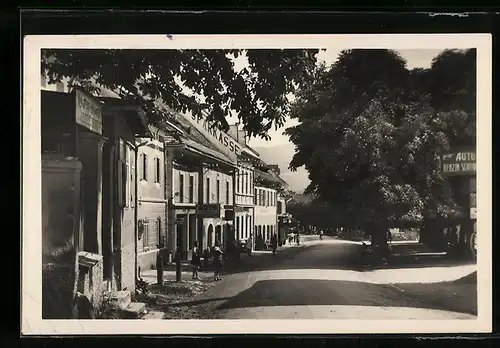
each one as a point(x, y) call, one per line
point(137, 189)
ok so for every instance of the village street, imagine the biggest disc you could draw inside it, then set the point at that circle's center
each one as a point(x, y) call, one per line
point(316, 280)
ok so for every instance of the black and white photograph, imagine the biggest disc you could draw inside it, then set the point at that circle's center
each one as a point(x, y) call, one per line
point(325, 183)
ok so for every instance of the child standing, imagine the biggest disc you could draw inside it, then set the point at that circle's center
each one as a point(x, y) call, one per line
point(196, 260)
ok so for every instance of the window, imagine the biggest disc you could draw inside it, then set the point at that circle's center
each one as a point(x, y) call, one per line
point(247, 182)
point(208, 190)
point(157, 170)
point(191, 189)
point(132, 176)
point(181, 188)
point(241, 181)
point(279, 207)
point(250, 181)
point(145, 235)
point(218, 191)
point(256, 196)
point(144, 174)
point(238, 175)
point(268, 198)
point(247, 226)
point(159, 231)
point(227, 192)
point(237, 228)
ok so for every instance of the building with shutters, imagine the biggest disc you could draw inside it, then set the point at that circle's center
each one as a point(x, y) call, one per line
point(199, 190)
point(266, 190)
point(247, 159)
point(151, 198)
point(100, 131)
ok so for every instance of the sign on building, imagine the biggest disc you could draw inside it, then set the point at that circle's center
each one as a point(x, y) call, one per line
point(208, 210)
point(459, 162)
point(223, 141)
point(88, 112)
point(473, 213)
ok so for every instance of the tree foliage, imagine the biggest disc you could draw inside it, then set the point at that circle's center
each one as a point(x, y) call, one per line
point(370, 132)
point(256, 93)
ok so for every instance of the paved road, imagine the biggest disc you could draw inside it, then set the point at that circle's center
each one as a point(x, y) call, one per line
point(313, 282)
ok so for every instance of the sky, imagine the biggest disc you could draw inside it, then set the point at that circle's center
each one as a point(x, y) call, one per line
point(418, 58)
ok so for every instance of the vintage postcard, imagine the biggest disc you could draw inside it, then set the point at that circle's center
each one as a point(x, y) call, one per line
point(175, 184)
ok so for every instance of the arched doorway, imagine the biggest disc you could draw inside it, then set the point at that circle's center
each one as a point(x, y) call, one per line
point(218, 234)
point(210, 236)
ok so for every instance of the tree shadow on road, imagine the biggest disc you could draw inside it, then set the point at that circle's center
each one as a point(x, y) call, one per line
point(298, 292)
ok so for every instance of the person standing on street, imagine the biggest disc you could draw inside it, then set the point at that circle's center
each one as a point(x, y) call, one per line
point(274, 243)
point(298, 239)
point(321, 235)
point(217, 260)
point(196, 260)
point(249, 245)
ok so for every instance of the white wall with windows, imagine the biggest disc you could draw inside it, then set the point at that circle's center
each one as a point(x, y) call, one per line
point(184, 186)
point(266, 217)
point(244, 185)
point(151, 195)
point(217, 187)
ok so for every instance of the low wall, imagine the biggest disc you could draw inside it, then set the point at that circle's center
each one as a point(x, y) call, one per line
point(90, 278)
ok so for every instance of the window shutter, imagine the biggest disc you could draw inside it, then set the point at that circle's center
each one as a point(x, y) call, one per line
point(121, 183)
point(132, 186)
point(160, 235)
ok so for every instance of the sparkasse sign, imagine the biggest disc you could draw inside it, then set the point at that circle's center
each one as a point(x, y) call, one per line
point(459, 162)
point(223, 141)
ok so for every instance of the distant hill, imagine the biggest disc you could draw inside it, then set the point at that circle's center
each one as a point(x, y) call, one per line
point(282, 155)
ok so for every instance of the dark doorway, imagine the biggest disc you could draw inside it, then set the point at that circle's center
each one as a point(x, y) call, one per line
point(180, 239)
point(218, 234)
point(210, 241)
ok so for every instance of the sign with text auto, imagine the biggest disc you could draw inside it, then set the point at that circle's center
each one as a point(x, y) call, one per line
point(212, 210)
point(88, 112)
point(223, 141)
point(459, 162)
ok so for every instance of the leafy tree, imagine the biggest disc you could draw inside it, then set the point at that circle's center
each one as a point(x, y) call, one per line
point(257, 93)
point(370, 139)
point(451, 82)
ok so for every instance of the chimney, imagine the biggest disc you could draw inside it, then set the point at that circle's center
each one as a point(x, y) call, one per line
point(233, 130)
point(242, 138)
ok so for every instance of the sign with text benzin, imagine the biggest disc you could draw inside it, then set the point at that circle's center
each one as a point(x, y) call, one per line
point(212, 210)
point(459, 163)
point(88, 112)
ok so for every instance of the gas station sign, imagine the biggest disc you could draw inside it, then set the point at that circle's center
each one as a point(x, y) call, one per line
point(459, 162)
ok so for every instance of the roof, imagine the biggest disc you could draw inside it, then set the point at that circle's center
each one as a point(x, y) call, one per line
point(204, 150)
point(259, 174)
point(139, 123)
point(193, 137)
